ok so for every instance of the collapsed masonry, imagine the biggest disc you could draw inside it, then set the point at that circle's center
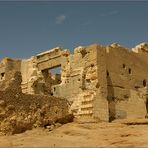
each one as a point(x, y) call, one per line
point(20, 112)
point(101, 82)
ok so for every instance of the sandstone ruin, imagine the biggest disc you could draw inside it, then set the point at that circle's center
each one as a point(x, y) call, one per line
point(100, 82)
point(20, 112)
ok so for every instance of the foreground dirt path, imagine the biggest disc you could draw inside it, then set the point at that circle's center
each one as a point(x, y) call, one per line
point(81, 135)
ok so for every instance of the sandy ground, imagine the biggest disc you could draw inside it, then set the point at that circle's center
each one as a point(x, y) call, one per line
point(82, 135)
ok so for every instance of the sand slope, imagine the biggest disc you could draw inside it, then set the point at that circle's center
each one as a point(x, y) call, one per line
point(81, 135)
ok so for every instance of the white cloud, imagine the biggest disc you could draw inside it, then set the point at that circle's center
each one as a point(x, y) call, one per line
point(60, 19)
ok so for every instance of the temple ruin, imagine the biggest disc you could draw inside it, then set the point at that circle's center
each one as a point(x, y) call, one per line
point(100, 82)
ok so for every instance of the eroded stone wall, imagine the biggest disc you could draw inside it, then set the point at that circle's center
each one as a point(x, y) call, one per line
point(127, 82)
point(8, 68)
point(100, 82)
point(20, 112)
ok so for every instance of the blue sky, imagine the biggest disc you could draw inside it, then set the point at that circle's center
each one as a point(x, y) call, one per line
point(28, 28)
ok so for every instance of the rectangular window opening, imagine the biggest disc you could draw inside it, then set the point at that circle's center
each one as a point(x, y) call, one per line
point(55, 75)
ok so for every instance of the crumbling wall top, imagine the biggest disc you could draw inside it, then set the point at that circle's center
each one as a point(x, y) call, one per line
point(57, 49)
point(142, 47)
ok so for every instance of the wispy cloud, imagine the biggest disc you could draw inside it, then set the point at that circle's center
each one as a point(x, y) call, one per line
point(109, 13)
point(60, 19)
point(85, 23)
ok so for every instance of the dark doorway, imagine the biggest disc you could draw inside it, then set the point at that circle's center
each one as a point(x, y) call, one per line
point(144, 83)
point(110, 98)
point(146, 103)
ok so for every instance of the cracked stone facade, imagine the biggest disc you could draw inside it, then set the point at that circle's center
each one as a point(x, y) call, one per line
point(100, 82)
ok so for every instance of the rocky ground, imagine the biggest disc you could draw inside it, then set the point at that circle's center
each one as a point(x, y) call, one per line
point(117, 134)
point(20, 112)
point(43, 121)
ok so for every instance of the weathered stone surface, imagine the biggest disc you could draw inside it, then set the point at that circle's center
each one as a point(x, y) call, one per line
point(100, 82)
point(20, 112)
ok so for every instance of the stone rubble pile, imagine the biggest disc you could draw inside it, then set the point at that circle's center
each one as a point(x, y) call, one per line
point(20, 112)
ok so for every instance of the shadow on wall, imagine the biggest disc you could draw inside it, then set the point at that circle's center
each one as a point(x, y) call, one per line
point(110, 98)
point(146, 103)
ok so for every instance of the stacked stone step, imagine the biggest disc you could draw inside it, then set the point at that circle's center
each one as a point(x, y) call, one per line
point(86, 105)
point(24, 87)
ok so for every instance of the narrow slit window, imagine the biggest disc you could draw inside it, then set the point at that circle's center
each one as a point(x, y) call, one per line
point(129, 71)
point(123, 66)
point(144, 83)
point(107, 73)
